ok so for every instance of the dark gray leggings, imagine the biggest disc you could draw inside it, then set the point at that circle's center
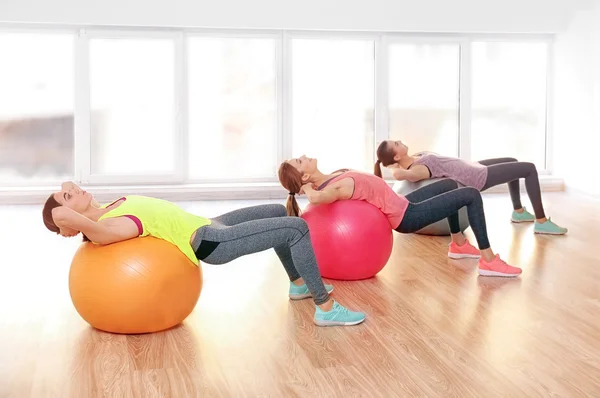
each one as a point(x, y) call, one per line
point(443, 199)
point(258, 228)
point(509, 170)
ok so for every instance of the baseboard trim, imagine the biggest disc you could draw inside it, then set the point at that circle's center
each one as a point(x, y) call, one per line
point(194, 192)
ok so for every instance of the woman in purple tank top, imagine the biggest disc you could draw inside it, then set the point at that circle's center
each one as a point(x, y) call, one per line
point(480, 175)
point(406, 214)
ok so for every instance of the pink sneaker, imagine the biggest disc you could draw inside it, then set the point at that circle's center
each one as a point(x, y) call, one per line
point(465, 251)
point(498, 268)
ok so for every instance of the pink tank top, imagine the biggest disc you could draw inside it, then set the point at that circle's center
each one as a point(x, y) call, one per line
point(470, 174)
point(376, 191)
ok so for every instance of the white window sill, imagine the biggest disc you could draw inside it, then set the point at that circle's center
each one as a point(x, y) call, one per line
point(193, 192)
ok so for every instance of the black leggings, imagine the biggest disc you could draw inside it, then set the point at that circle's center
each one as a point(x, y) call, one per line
point(443, 199)
point(509, 170)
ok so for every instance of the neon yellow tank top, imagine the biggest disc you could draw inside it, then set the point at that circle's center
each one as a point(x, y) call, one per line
point(160, 219)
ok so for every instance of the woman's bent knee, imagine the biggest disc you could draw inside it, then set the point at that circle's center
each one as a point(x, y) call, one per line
point(450, 183)
point(298, 223)
point(297, 229)
point(530, 167)
point(278, 210)
point(472, 193)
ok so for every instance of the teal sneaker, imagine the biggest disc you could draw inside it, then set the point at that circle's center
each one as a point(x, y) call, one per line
point(522, 217)
point(338, 316)
point(302, 292)
point(549, 228)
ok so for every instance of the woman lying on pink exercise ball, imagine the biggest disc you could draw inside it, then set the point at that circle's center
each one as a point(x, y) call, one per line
point(406, 214)
point(479, 175)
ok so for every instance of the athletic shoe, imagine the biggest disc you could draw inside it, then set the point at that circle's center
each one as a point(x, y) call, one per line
point(302, 292)
point(338, 316)
point(549, 228)
point(522, 217)
point(497, 267)
point(467, 250)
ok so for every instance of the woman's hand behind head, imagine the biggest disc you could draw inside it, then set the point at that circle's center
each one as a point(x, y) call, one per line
point(68, 232)
point(53, 212)
point(305, 187)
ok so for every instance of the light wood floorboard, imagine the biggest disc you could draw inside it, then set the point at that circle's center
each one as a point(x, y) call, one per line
point(434, 328)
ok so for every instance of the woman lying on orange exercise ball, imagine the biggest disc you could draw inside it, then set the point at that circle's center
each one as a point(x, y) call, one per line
point(213, 240)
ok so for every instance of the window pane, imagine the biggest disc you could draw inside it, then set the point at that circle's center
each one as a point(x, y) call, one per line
point(333, 101)
point(232, 108)
point(133, 106)
point(36, 107)
point(509, 101)
point(423, 96)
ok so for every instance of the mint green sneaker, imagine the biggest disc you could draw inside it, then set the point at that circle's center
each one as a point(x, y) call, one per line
point(549, 228)
point(522, 217)
point(302, 292)
point(338, 316)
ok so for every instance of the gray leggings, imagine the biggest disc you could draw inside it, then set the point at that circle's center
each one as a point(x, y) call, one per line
point(509, 170)
point(258, 228)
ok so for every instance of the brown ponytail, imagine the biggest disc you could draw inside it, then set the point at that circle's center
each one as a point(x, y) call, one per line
point(291, 205)
point(385, 156)
point(377, 169)
point(291, 180)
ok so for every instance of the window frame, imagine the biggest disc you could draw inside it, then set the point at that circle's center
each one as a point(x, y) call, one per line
point(14, 28)
point(549, 40)
point(83, 125)
point(235, 34)
point(289, 36)
point(464, 121)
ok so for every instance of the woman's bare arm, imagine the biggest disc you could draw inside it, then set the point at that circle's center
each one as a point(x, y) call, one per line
point(339, 190)
point(104, 232)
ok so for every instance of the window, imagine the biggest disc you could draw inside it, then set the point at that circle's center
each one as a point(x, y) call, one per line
point(172, 106)
point(36, 107)
point(333, 102)
point(232, 108)
point(509, 101)
point(132, 97)
point(424, 96)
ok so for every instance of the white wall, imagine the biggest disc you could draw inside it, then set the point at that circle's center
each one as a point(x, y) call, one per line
point(576, 143)
point(508, 16)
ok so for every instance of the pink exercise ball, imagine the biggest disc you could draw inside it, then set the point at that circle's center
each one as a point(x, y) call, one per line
point(352, 238)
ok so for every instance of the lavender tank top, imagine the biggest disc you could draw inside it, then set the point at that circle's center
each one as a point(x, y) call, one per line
point(468, 173)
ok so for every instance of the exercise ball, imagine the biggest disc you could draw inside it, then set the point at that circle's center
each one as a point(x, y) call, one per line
point(140, 285)
point(438, 228)
point(352, 239)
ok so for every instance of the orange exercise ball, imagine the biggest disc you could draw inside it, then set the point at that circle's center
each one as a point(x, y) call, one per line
point(140, 285)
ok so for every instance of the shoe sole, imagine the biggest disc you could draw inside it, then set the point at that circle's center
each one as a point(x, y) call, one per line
point(334, 323)
point(520, 221)
point(484, 272)
point(457, 256)
point(304, 296)
point(549, 233)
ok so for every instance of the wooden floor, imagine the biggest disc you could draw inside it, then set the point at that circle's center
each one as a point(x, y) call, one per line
point(434, 329)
